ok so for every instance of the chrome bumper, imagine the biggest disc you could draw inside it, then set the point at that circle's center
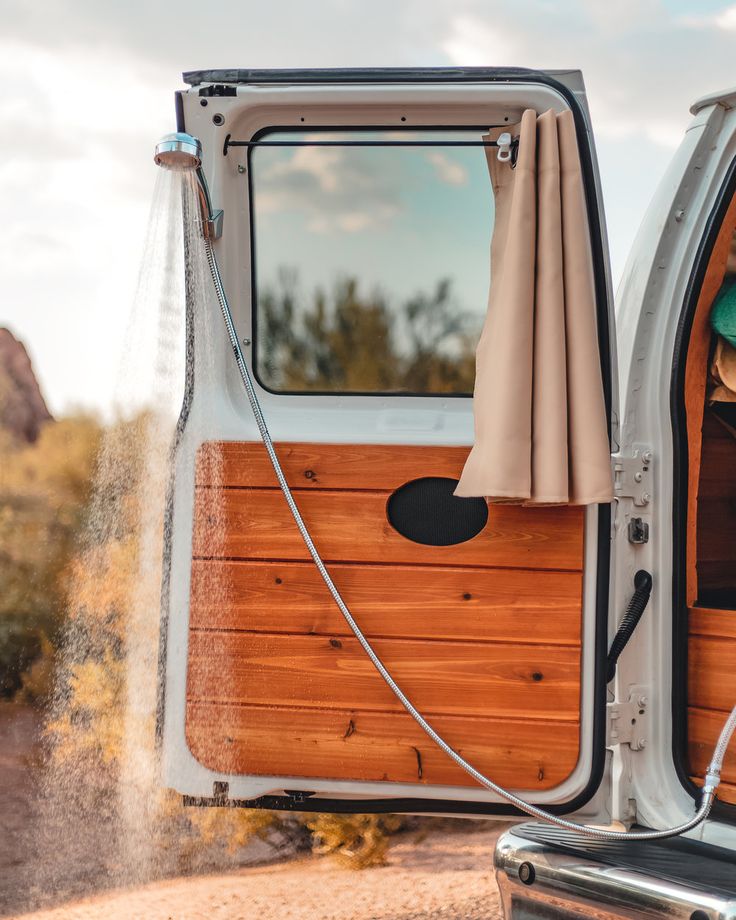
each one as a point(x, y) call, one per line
point(547, 874)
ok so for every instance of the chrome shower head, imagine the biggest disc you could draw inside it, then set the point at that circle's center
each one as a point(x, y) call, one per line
point(178, 151)
point(183, 153)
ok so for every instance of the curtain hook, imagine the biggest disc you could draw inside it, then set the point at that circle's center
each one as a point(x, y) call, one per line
point(504, 143)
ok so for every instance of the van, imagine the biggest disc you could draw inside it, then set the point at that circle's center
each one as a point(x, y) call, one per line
point(581, 653)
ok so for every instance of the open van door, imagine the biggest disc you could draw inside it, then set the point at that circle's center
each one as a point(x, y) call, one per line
point(357, 270)
point(679, 413)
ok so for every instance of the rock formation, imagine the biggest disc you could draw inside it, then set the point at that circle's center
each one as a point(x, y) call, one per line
point(22, 407)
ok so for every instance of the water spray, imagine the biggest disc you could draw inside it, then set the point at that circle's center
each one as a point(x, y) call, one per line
point(182, 152)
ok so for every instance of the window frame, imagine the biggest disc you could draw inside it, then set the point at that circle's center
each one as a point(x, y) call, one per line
point(344, 129)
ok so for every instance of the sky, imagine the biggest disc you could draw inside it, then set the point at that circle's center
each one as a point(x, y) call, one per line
point(88, 88)
point(399, 220)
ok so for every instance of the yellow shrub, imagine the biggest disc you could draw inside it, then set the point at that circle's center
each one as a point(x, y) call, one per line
point(357, 841)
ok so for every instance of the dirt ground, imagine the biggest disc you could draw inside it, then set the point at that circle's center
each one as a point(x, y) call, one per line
point(443, 873)
point(19, 735)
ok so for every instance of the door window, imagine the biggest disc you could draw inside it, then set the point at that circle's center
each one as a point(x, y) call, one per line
point(371, 263)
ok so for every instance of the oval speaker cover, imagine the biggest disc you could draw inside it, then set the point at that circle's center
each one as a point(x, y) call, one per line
point(426, 511)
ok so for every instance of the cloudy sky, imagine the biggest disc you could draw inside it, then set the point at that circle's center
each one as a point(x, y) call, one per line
point(88, 87)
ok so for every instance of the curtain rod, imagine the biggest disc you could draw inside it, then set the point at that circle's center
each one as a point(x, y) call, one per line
point(505, 142)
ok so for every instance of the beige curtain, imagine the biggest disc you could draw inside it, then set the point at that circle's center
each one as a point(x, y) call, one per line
point(540, 423)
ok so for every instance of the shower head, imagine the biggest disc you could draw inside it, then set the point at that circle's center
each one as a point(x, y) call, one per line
point(178, 151)
point(182, 152)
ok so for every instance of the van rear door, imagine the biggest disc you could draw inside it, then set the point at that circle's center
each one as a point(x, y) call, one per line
point(682, 660)
point(357, 268)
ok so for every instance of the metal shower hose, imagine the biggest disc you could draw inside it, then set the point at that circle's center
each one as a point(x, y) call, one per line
point(712, 777)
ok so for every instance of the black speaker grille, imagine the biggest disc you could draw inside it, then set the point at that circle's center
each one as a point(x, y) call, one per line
point(426, 511)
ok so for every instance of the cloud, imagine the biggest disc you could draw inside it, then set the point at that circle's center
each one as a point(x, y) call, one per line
point(87, 89)
point(643, 65)
point(448, 170)
point(335, 188)
point(726, 19)
point(75, 181)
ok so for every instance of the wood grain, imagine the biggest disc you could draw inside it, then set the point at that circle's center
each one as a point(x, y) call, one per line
point(383, 467)
point(716, 521)
point(718, 460)
point(703, 621)
point(507, 605)
point(484, 636)
point(717, 539)
point(378, 747)
point(455, 678)
point(711, 672)
point(352, 527)
point(704, 726)
point(726, 791)
point(711, 663)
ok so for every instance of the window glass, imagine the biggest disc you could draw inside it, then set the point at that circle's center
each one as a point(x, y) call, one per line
point(371, 263)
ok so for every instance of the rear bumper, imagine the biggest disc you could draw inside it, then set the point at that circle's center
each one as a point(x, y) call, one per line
point(547, 874)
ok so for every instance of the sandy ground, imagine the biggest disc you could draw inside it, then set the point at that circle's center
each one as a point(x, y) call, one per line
point(443, 875)
point(19, 735)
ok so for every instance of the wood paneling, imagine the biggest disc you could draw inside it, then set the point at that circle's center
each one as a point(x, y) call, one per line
point(711, 691)
point(718, 460)
point(455, 678)
point(711, 482)
point(483, 636)
point(383, 467)
point(726, 791)
point(716, 623)
point(504, 605)
point(696, 378)
point(712, 672)
point(378, 747)
point(716, 521)
point(352, 527)
point(704, 726)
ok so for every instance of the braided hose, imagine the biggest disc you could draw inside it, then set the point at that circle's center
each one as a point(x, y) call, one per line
point(634, 610)
point(713, 774)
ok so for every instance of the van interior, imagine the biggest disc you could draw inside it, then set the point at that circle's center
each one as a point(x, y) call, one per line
point(710, 549)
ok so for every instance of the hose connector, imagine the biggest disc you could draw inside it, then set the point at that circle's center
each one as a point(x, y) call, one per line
point(710, 786)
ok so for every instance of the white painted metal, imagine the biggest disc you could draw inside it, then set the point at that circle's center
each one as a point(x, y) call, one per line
point(649, 303)
point(218, 409)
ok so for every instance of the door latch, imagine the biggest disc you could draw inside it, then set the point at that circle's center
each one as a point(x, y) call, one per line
point(638, 531)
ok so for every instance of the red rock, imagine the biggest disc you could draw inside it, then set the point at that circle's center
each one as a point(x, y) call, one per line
point(22, 407)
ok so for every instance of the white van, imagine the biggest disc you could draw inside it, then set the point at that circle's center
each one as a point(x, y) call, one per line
point(357, 214)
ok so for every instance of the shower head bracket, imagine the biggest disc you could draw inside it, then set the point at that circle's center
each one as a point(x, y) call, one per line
point(213, 225)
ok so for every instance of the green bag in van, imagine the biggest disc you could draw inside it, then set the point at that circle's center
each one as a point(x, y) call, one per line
point(723, 314)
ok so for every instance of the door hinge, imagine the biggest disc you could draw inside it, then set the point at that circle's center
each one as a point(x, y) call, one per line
point(626, 723)
point(632, 476)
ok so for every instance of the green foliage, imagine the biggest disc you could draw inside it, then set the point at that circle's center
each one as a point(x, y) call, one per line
point(354, 343)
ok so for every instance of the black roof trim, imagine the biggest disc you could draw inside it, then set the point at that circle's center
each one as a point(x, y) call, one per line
point(359, 75)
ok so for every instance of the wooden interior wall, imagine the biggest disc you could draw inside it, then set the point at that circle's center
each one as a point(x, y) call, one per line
point(696, 381)
point(716, 521)
point(484, 636)
point(711, 490)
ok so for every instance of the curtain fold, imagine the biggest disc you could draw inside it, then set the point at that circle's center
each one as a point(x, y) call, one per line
point(540, 422)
